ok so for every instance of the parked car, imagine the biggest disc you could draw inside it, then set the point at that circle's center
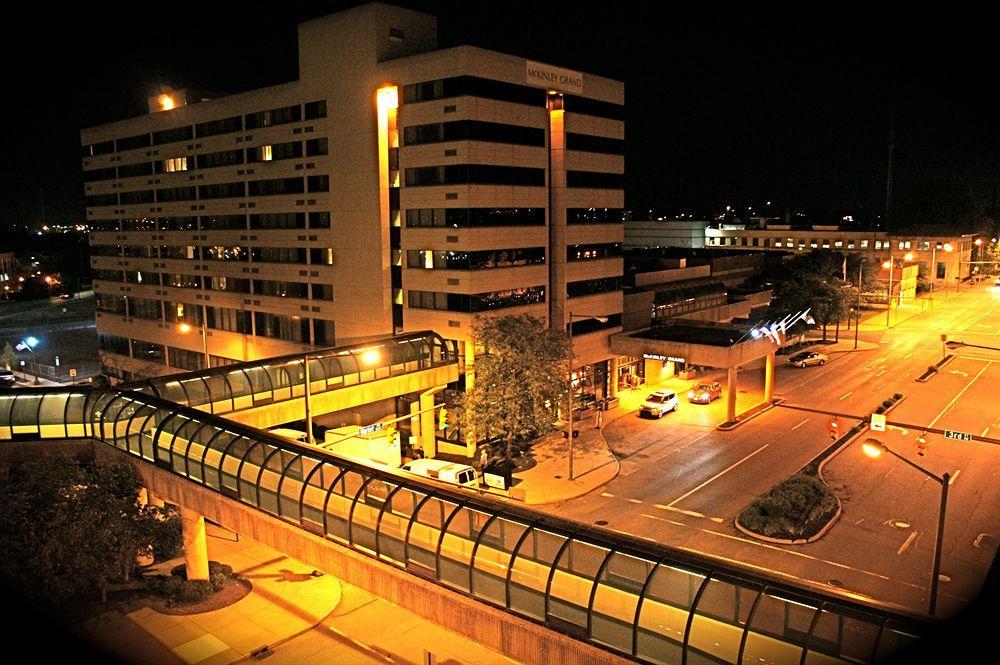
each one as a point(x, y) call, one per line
point(806, 358)
point(658, 403)
point(7, 377)
point(705, 392)
point(996, 282)
point(447, 472)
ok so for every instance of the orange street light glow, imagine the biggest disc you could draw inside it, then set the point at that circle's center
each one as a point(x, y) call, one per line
point(370, 357)
point(948, 247)
point(887, 265)
point(184, 327)
point(909, 256)
point(872, 448)
point(166, 102)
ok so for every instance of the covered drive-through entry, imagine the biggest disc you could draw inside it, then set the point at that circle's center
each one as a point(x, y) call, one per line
point(720, 345)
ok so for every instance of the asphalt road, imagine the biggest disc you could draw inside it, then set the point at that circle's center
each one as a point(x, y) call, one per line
point(683, 482)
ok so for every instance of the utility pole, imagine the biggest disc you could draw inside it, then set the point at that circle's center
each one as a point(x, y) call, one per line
point(892, 150)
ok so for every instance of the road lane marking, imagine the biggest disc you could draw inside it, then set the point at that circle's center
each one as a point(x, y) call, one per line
point(985, 431)
point(906, 544)
point(805, 421)
point(634, 501)
point(607, 495)
point(960, 393)
point(845, 395)
point(730, 468)
point(664, 519)
point(882, 372)
point(953, 478)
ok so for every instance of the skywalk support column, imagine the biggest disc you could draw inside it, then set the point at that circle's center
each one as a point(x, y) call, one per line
point(613, 376)
point(195, 544)
point(428, 423)
point(769, 378)
point(731, 394)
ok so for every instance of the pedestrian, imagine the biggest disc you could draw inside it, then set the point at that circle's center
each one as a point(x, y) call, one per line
point(483, 457)
point(600, 414)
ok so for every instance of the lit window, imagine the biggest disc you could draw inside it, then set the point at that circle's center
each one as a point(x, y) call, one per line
point(864, 244)
point(265, 153)
point(175, 164)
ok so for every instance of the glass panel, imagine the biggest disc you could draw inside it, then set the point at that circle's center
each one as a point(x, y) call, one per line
point(75, 415)
point(456, 548)
point(576, 571)
point(50, 416)
point(366, 512)
point(24, 416)
point(664, 614)
point(267, 485)
point(893, 641)
point(239, 384)
point(318, 477)
point(218, 390)
point(173, 392)
point(251, 461)
point(778, 631)
point(495, 546)
point(616, 599)
point(197, 391)
point(424, 534)
point(392, 529)
point(339, 506)
point(530, 572)
point(721, 612)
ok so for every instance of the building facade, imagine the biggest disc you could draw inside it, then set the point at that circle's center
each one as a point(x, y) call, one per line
point(393, 187)
point(945, 257)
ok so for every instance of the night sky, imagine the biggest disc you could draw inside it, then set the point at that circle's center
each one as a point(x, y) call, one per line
point(724, 107)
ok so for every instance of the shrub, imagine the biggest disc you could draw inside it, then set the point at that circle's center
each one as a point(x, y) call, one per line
point(898, 396)
point(880, 409)
point(796, 508)
point(218, 574)
point(192, 591)
point(164, 534)
point(168, 587)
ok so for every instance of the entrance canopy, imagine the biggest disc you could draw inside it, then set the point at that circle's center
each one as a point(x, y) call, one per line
point(721, 345)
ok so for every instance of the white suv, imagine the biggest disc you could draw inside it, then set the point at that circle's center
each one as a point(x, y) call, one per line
point(660, 402)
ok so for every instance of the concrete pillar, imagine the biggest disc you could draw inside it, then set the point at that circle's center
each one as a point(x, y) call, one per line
point(428, 423)
point(470, 364)
point(416, 421)
point(769, 378)
point(669, 370)
point(653, 371)
point(613, 377)
point(195, 544)
point(154, 500)
point(143, 498)
point(731, 394)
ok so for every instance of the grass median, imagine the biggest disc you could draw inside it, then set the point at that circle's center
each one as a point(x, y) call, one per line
point(796, 509)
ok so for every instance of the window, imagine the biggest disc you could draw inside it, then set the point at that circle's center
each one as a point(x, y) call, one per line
point(225, 190)
point(316, 147)
point(481, 174)
point(178, 223)
point(280, 289)
point(481, 260)
point(595, 180)
point(100, 174)
point(279, 326)
point(213, 222)
point(575, 104)
point(103, 148)
point(278, 151)
point(279, 220)
point(474, 217)
point(176, 194)
point(475, 87)
point(596, 215)
point(321, 256)
point(323, 333)
point(175, 164)
point(318, 183)
point(600, 144)
point(459, 302)
point(319, 220)
point(275, 187)
point(178, 252)
point(589, 287)
point(473, 130)
point(132, 142)
point(109, 304)
point(147, 351)
point(322, 292)
point(173, 135)
point(315, 109)
point(132, 198)
point(216, 127)
point(224, 318)
point(593, 251)
point(112, 344)
point(273, 117)
point(225, 253)
point(180, 312)
point(279, 254)
point(180, 281)
point(184, 359)
point(231, 284)
point(216, 159)
point(144, 308)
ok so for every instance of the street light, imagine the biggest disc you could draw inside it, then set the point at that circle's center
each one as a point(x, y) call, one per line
point(369, 357)
point(602, 319)
point(888, 298)
point(30, 343)
point(184, 328)
point(955, 344)
point(874, 448)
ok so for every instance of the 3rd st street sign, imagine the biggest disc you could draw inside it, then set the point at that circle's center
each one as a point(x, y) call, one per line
point(959, 436)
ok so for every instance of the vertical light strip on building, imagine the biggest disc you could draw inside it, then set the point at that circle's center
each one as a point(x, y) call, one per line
point(556, 250)
point(387, 104)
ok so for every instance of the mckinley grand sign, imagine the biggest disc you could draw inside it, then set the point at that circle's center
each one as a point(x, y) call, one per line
point(554, 78)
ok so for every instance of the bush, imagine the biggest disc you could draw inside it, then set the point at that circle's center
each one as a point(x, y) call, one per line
point(192, 591)
point(797, 508)
point(218, 574)
point(898, 396)
point(164, 534)
point(887, 403)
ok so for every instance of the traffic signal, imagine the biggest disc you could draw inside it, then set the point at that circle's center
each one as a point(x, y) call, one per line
point(834, 428)
point(390, 433)
point(443, 418)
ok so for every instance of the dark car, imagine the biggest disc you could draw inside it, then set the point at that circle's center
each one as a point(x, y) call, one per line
point(705, 392)
point(7, 377)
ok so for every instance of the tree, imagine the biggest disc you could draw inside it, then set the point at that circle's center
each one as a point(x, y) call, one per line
point(520, 382)
point(7, 356)
point(815, 281)
point(68, 528)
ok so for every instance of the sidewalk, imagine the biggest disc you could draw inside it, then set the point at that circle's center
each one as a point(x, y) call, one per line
point(285, 601)
point(548, 480)
point(304, 620)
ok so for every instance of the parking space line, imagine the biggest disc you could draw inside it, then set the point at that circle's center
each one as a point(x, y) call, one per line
point(954, 477)
point(906, 544)
point(799, 425)
point(846, 395)
point(724, 471)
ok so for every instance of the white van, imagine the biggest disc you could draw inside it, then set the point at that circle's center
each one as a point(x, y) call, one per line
point(447, 472)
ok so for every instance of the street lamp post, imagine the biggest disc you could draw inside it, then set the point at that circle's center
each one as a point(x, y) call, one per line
point(569, 429)
point(30, 343)
point(874, 448)
point(888, 298)
point(185, 328)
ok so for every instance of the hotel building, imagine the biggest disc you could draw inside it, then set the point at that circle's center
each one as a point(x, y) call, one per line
point(393, 187)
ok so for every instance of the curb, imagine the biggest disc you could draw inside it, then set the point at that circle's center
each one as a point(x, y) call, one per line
point(935, 368)
point(618, 469)
point(799, 541)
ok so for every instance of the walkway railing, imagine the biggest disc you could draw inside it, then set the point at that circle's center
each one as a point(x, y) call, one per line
point(625, 594)
point(254, 383)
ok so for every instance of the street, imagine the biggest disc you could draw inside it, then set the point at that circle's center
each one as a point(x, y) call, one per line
point(683, 482)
